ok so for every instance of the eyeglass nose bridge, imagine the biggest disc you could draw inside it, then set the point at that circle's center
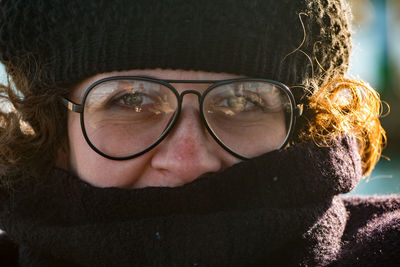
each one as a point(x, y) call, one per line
point(178, 111)
point(186, 92)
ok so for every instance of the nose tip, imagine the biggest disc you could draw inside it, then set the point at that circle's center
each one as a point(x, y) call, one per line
point(186, 148)
point(187, 152)
point(190, 158)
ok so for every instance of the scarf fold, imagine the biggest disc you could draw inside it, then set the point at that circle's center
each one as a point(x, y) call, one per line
point(253, 213)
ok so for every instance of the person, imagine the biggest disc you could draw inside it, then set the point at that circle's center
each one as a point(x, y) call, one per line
point(187, 133)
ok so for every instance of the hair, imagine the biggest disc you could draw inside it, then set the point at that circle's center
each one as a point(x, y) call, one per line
point(346, 106)
point(32, 128)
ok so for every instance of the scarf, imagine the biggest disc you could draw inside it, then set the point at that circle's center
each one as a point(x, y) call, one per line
point(280, 208)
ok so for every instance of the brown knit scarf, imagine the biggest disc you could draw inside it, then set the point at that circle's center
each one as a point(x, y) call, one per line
point(280, 208)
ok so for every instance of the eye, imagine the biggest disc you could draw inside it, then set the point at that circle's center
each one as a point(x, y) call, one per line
point(238, 103)
point(246, 101)
point(133, 99)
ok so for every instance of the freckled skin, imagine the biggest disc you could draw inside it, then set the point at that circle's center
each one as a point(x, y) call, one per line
point(186, 148)
point(185, 154)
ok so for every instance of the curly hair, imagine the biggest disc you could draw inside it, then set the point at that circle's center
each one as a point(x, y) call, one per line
point(32, 128)
point(346, 106)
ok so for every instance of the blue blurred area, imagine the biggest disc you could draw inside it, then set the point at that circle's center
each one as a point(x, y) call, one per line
point(385, 179)
point(376, 59)
point(369, 39)
point(3, 79)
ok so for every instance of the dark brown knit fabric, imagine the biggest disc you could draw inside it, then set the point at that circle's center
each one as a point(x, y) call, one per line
point(243, 216)
point(280, 209)
point(61, 42)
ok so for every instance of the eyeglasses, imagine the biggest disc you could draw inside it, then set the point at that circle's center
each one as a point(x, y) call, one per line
point(123, 117)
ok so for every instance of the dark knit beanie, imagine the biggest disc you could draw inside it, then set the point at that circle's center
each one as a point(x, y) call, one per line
point(61, 42)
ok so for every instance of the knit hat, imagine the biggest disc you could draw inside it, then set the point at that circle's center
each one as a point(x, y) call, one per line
point(61, 42)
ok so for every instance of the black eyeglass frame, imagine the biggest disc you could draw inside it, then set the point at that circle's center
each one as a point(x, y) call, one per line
point(79, 108)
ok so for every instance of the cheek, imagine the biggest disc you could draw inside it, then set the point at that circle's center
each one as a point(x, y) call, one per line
point(97, 170)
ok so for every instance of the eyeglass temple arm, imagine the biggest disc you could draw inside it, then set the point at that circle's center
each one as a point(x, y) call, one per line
point(71, 105)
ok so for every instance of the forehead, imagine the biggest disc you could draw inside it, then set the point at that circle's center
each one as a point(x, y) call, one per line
point(79, 89)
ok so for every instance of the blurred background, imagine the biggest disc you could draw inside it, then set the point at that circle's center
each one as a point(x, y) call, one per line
point(375, 59)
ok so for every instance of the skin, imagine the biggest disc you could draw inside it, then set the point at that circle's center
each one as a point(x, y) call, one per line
point(187, 152)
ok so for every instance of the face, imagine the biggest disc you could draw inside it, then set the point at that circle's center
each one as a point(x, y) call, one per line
point(185, 154)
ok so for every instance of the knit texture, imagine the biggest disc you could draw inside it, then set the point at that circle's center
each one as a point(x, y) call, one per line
point(377, 245)
point(372, 234)
point(61, 42)
point(280, 208)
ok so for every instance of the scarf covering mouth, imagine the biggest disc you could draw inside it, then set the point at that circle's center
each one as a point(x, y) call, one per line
point(279, 208)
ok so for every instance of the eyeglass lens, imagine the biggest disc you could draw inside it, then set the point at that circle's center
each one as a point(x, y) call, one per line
point(125, 117)
point(250, 118)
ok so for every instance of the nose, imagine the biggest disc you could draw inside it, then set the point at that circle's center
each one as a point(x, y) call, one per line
point(188, 150)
